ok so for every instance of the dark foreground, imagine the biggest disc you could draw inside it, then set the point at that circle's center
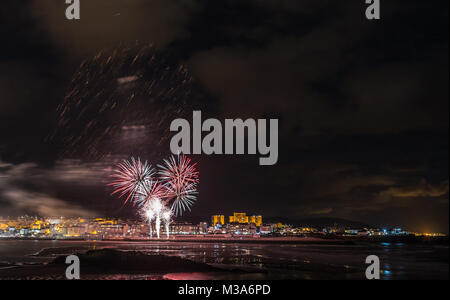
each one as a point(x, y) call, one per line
point(189, 260)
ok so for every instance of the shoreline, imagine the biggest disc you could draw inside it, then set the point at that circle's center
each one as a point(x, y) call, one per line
point(264, 240)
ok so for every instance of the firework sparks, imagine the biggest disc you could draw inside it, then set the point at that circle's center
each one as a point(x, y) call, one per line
point(180, 170)
point(181, 179)
point(131, 178)
point(156, 210)
point(167, 218)
point(148, 214)
point(177, 184)
point(183, 197)
point(150, 190)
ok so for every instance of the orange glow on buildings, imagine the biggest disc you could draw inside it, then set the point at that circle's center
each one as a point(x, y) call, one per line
point(218, 219)
point(242, 218)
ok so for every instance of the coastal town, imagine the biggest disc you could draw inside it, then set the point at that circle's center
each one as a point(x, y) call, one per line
point(239, 225)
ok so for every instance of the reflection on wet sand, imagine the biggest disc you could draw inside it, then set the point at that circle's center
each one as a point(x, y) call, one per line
point(254, 261)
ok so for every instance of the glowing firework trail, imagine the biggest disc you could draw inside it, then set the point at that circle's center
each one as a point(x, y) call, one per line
point(181, 179)
point(157, 206)
point(159, 211)
point(148, 214)
point(156, 210)
point(131, 178)
point(167, 217)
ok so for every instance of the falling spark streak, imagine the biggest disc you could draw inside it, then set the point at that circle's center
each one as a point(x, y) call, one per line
point(129, 85)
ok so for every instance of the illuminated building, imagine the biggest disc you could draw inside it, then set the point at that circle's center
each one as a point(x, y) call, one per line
point(218, 219)
point(242, 229)
point(108, 228)
point(242, 218)
point(265, 229)
point(3, 226)
point(184, 228)
point(203, 227)
point(257, 220)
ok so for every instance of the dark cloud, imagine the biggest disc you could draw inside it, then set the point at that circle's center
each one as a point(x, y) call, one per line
point(325, 83)
point(28, 188)
point(106, 23)
point(422, 189)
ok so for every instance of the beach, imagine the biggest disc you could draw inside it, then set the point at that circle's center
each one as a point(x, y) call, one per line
point(37, 259)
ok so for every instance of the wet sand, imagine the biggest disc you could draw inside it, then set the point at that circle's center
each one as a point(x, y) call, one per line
point(22, 259)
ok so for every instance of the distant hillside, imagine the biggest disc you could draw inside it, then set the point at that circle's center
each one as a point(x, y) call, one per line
point(317, 222)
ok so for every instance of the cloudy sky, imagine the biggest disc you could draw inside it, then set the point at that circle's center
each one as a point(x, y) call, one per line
point(363, 105)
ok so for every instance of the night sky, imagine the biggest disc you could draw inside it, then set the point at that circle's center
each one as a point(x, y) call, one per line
point(362, 105)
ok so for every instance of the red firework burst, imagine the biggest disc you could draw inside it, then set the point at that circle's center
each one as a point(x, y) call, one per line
point(152, 190)
point(181, 178)
point(131, 178)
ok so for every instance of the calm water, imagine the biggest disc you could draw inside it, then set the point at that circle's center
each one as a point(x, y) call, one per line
point(261, 261)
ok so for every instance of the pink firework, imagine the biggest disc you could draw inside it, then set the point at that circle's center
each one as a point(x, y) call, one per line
point(179, 170)
point(180, 178)
point(131, 178)
point(152, 190)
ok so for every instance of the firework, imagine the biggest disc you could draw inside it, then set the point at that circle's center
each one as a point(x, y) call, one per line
point(167, 217)
point(131, 178)
point(151, 190)
point(183, 197)
point(148, 214)
point(179, 170)
point(160, 198)
point(156, 209)
point(181, 178)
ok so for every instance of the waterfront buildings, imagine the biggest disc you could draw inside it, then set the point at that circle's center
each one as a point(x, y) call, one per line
point(218, 219)
point(242, 218)
point(108, 228)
